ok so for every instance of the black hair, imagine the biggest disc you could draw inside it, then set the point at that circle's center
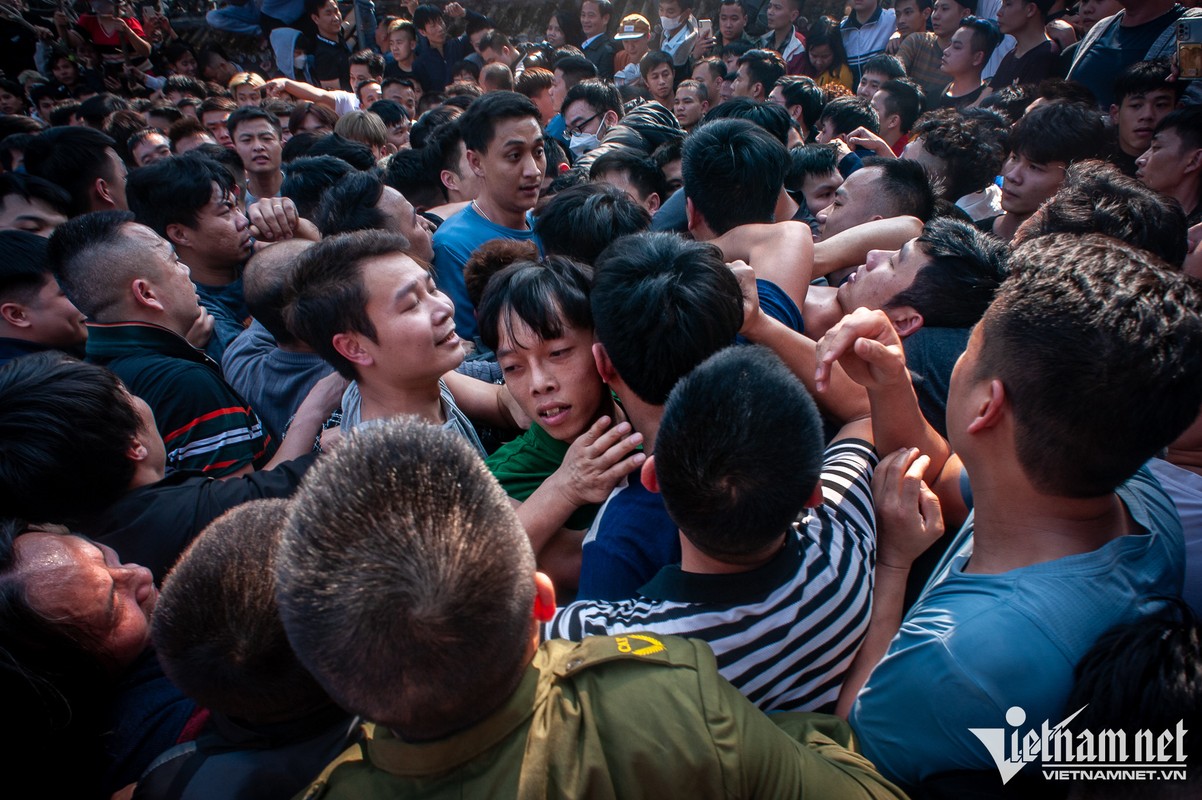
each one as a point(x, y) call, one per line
point(174, 190)
point(427, 124)
point(373, 61)
point(1187, 123)
point(639, 169)
point(249, 113)
point(738, 453)
point(350, 205)
point(65, 430)
point(770, 117)
point(810, 160)
point(185, 85)
point(580, 221)
point(964, 269)
point(96, 110)
point(825, 31)
point(653, 59)
point(23, 267)
point(905, 98)
point(569, 23)
point(307, 178)
point(661, 306)
point(11, 144)
point(471, 66)
point(907, 184)
point(1052, 89)
point(390, 112)
point(849, 113)
point(72, 158)
point(733, 172)
point(985, 35)
point(414, 174)
point(883, 64)
point(298, 146)
point(601, 96)
point(1009, 101)
point(479, 122)
point(357, 154)
point(424, 15)
point(764, 66)
point(973, 149)
point(1060, 131)
point(546, 296)
point(575, 69)
point(1146, 76)
point(31, 187)
point(799, 90)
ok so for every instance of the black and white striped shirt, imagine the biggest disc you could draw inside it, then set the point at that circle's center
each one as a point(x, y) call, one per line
point(786, 632)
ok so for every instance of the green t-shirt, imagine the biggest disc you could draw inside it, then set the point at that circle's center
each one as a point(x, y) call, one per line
point(521, 466)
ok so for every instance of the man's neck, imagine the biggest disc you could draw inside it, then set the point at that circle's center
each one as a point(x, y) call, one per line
point(1016, 526)
point(821, 310)
point(264, 184)
point(206, 273)
point(781, 36)
point(643, 417)
point(1186, 193)
point(891, 136)
point(965, 84)
point(723, 41)
point(407, 64)
point(1027, 39)
point(1005, 226)
point(487, 208)
point(1141, 11)
point(694, 561)
point(864, 16)
point(383, 400)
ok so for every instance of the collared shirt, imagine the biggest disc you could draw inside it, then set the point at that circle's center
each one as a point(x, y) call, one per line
point(680, 44)
point(204, 423)
point(862, 41)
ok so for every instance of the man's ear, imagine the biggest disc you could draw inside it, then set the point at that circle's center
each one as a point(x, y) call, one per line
point(474, 161)
point(608, 120)
point(1193, 162)
point(544, 597)
point(450, 180)
point(350, 346)
point(815, 497)
point(137, 451)
point(14, 314)
point(144, 294)
point(906, 320)
point(990, 407)
point(653, 203)
point(179, 235)
point(104, 191)
point(1114, 114)
point(690, 213)
point(648, 477)
point(605, 367)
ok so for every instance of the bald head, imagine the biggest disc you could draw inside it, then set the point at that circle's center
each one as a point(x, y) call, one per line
point(263, 283)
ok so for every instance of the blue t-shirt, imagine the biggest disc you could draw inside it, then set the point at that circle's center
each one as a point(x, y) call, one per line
point(631, 539)
point(974, 646)
point(454, 242)
point(229, 311)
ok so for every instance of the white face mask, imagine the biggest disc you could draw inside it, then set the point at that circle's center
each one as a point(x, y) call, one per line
point(581, 143)
point(669, 23)
point(299, 62)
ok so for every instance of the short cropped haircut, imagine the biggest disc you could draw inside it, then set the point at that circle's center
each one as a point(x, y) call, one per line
point(357, 154)
point(373, 61)
point(733, 172)
point(738, 453)
point(31, 187)
point(479, 123)
point(965, 267)
point(639, 169)
point(798, 90)
point(906, 185)
point(600, 95)
point(217, 104)
point(905, 98)
point(1076, 312)
point(65, 429)
point(767, 115)
point(185, 85)
point(653, 59)
point(972, 149)
point(249, 113)
point(405, 580)
point(765, 67)
point(1186, 123)
point(265, 284)
point(1060, 131)
point(216, 626)
point(575, 69)
point(1096, 196)
point(545, 296)
point(534, 80)
point(661, 306)
point(714, 66)
point(184, 127)
point(23, 268)
point(363, 127)
point(350, 205)
point(174, 190)
point(490, 258)
point(307, 178)
point(883, 64)
point(1146, 76)
point(326, 295)
point(985, 35)
point(808, 161)
point(72, 158)
point(93, 261)
point(302, 110)
point(849, 113)
point(581, 221)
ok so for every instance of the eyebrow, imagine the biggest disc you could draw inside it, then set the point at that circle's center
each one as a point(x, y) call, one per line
point(408, 288)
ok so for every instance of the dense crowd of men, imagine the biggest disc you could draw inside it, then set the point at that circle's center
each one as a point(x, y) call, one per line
point(756, 405)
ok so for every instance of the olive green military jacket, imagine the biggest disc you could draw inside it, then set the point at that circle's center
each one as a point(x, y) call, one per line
point(616, 718)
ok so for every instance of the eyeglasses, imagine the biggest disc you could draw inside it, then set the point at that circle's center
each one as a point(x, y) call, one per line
point(577, 130)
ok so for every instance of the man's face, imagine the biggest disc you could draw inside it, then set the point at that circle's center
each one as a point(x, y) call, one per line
point(1012, 16)
point(403, 95)
point(478, 37)
point(155, 147)
point(259, 146)
point(909, 18)
point(879, 100)
point(636, 48)
point(555, 381)
point(582, 118)
point(591, 20)
point(713, 85)
point(826, 132)
point(884, 274)
point(559, 89)
point(45, 106)
point(369, 94)
point(958, 56)
point(1093, 11)
point(189, 143)
point(545, 105)
point(170, 277)
point(214, 122)
point(854, 203)
point(946, 16)
point(732, 21)
point(819, 190)
point(870, 84)
point(744, 85)
point(247, 95)
point(436, 31)
point(1026, 184)
point(688, 108)
point(414, 321)
point(1137, 117)
point(620, 179)
point(328, 20)
point(672, 174)
point(401, 217)
point(10, 103)
point(221, 231)
point(32, 215)
point(1160, 166)
point(53, 319)
point(185, 66)
point(659, 83)
point(360, 73)
point(511, 170)
point(780, 14)
point(402, 45)
point(862, 6)
point(398, 134)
